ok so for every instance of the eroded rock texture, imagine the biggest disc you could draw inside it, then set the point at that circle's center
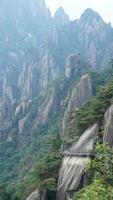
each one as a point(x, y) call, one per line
point(108, 129)
point(73, 165)
point(38, 195)
point(80, 95)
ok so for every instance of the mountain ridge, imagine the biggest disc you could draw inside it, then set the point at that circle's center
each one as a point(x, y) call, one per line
point(45, 73)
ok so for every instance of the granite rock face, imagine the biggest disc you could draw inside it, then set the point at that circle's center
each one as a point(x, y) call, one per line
point(80, 94)
point(73, 166)
point(33, 50)
point(29, 67)
point(108, 129)
point(37, 195)
point(89, 37)
point(34, 195)
point(33, 53)
point(72, 66)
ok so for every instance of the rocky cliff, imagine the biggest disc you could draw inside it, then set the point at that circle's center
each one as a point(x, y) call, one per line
point(80, 95)
point(35, 46)
point(36, 195)
point(108, 129)
point(33, 52)
point(74, 162)
point(44, 74)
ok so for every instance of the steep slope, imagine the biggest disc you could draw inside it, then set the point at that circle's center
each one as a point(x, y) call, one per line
point(34, 47)
point(102, 160)
point(108, 133)
point(99, 184)
point(93, 35)
point(37, 87)
point(73, 167)
point(79, 96)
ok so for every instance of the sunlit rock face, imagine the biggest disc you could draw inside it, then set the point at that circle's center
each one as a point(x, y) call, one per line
point(108, 129)
point(73, 166)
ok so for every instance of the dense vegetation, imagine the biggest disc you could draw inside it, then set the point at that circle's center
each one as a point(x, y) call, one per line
point(33, 49)
point(44, 174)
point(94, 110)
point(20, 175)
point(42, 146)
point(100, 171)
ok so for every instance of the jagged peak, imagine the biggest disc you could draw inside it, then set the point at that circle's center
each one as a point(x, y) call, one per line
point(90, 14)
point(61, 16)
point(60, 11)
point(37, 3)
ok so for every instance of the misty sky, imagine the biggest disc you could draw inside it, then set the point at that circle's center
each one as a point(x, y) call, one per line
point(76, 7)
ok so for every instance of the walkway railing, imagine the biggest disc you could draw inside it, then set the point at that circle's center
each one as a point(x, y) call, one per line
point(82, 154)
point(78, 154)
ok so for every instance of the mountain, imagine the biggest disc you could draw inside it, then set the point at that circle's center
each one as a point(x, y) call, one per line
point(61, 16)
point(46, 73)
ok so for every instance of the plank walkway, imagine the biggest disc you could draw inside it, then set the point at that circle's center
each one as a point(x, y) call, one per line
point(91, 154)
point(78, 154)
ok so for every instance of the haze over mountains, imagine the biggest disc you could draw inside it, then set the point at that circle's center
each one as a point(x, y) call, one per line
point(42, 59)
point(30, 36)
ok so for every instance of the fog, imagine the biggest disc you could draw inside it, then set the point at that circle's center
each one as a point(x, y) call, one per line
point(75, 8)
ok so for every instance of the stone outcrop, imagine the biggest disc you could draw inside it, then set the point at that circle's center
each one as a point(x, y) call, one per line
point(80, 95)
point(93, 26)
point(22, 108)
point(36, 76)
point(22, 123)
point(30, 60)
point(45, 109)
point(2, 109)
point(61, 16)
point(32, 55)
point(72, 66)
point(38, 195)
point(108, 129)
point(73, 167)
point(86, 141)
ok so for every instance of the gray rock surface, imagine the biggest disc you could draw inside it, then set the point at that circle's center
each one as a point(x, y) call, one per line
point(80, 95)
point(37, 195)
point(73, 167)
point(108, 129)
